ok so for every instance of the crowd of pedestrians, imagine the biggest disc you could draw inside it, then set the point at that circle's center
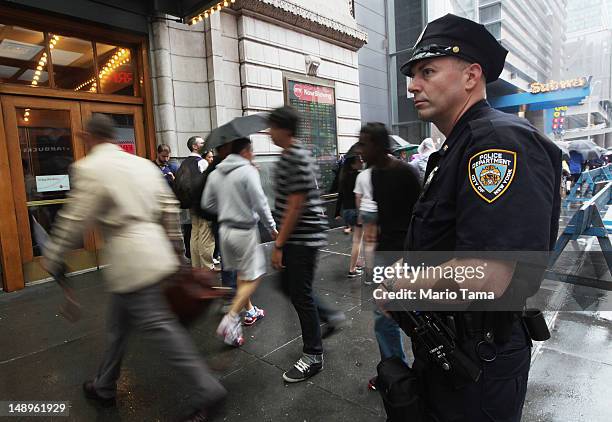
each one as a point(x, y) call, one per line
point(468, 366)
point(220, 202)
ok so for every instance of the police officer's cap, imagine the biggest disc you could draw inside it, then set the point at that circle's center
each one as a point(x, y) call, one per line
point(454, 36)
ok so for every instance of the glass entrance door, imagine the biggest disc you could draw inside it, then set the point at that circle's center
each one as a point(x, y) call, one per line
point(129, 124)
point(42, 144)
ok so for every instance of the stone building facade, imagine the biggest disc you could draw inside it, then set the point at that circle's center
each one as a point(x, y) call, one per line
point(234, 63)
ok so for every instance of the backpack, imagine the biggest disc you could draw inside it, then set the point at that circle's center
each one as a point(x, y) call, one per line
point(189, 183)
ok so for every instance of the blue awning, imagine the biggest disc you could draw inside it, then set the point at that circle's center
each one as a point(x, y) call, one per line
point(541, 101)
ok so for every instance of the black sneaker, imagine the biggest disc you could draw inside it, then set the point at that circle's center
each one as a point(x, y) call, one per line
point(302, 370)
point(92, 394)
point(200, 416)
point(353, 274)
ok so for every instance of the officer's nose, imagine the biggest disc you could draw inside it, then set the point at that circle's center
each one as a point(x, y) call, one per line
point(413, 86)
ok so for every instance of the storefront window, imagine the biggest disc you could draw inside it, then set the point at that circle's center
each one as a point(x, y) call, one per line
point(79, 64)
point(45, 140)
point(116, 70)
point(73, 64)
point(23, 56)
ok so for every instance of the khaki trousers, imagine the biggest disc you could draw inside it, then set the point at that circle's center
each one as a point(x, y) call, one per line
point(202, 243)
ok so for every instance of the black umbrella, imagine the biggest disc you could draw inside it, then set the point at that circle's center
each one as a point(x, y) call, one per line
point(395, 142)
point(588, 149)
point(240, 127)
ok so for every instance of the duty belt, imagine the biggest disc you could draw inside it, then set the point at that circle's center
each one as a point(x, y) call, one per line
point(485, 329)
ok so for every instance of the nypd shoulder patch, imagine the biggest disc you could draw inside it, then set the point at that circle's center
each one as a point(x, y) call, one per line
point(491, 172)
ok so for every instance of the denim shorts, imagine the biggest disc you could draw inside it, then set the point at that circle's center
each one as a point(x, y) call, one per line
point(350, 217)
point(368, 217)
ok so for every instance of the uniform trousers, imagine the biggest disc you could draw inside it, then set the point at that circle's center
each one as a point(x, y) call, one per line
point(499, 394)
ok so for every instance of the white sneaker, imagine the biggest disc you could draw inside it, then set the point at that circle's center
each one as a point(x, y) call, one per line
point(251, 318)
point(230, 329)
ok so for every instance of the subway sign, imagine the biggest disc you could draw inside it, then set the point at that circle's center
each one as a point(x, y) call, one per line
point(539, 87)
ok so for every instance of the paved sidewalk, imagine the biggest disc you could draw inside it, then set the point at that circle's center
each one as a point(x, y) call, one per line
point(43, 357)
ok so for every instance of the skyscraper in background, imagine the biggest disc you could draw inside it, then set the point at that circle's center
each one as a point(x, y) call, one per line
point(373, 62)
point(532, 31)
point(588, 52)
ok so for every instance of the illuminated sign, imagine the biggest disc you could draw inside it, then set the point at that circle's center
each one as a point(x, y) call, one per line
point(122, 77)
point(538, 87)
point(313, 93)
point(127, 147)
point(558, 123)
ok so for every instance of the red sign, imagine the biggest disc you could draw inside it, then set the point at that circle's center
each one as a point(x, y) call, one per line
point(314, 94)
point(123, 77)
point(128, 147)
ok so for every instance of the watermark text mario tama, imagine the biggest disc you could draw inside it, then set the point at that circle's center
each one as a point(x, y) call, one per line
point(396, 277)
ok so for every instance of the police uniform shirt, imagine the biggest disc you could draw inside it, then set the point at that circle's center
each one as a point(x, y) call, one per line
point(493, 186)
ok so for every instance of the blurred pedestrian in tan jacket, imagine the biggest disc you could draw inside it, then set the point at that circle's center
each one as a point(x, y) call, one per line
point(138, 213)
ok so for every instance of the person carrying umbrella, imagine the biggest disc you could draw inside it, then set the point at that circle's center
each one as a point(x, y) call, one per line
point(575, 165)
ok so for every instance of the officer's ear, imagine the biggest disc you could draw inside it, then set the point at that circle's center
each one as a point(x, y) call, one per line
point(474, 77)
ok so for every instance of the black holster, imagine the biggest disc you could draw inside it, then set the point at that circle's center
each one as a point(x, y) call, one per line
point(400, 390)
point(536, 325)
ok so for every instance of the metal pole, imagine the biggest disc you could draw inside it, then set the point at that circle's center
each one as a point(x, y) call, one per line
point(589, 119)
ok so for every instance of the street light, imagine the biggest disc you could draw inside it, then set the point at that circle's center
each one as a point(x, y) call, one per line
point(589, 109)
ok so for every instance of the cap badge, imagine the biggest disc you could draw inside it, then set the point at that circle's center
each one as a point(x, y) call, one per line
point(455, 49)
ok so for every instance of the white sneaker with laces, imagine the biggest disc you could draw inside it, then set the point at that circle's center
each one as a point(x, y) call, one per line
point(230, 329)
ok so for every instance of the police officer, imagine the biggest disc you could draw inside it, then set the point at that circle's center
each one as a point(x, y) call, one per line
point(492, 186)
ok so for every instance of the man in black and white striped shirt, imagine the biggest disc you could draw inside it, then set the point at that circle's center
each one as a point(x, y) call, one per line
point(298, 210)
point(296, 173)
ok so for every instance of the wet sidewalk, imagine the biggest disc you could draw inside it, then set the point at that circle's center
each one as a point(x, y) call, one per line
point(44, 357)
point(571, 374)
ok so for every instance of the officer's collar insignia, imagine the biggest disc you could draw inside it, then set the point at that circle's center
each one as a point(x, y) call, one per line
point(491, 172)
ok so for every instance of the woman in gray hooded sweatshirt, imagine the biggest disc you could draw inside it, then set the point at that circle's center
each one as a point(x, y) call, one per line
point(233, 191)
